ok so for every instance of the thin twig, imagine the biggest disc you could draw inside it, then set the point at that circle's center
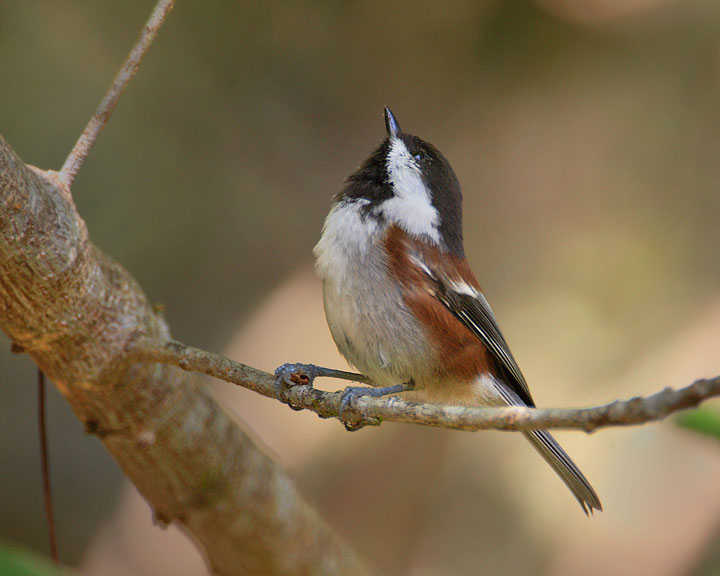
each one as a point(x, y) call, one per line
point(374, 410)
point(89, 136)
point(44, 463)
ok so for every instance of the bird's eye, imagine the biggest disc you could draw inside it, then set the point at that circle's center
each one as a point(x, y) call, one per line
point(418, 156)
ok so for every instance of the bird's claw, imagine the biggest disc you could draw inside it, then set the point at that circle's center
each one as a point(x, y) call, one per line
point(348, 414)
point(293, 374)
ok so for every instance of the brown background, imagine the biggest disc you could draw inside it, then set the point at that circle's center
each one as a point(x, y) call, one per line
point(585, 135)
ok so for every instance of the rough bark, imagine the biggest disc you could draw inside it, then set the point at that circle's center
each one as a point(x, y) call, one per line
point(76, 312)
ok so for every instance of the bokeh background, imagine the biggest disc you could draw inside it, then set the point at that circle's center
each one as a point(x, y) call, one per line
point(585, 134)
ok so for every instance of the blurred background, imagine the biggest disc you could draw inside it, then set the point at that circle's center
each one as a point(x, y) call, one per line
point(585, 134)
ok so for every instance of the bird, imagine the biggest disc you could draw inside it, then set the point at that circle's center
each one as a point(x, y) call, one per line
point(402, 303)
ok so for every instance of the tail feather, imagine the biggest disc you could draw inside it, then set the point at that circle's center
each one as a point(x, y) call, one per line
point(554, 455)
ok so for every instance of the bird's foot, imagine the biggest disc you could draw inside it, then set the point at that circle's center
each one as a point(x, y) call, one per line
point(296, 374)
point(348, 413)
point(293, 374)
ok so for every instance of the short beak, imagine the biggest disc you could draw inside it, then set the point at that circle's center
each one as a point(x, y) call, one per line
point(392, 126)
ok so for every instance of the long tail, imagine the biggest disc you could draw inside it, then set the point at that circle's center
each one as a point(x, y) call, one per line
point(554, 455)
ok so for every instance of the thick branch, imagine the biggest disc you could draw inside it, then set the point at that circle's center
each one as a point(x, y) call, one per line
point(373, 410)
point(77, 312)
point(97, 122)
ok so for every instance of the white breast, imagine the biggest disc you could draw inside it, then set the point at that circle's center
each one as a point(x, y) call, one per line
point(364, 307)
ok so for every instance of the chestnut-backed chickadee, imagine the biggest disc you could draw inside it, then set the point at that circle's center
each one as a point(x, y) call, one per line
point(401, 301)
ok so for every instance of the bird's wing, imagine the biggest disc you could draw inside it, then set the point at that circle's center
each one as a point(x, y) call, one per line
point(469, 306)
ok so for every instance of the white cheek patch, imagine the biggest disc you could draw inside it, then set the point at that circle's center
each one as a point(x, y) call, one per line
point(410, 206)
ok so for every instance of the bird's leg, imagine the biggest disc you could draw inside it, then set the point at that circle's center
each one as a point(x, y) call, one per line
point(289, 375)
point(348, 414)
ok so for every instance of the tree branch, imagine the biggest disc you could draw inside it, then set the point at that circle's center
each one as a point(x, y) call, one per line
point(374, 410)
point(76, 312)
point(95, 125)
point(89, 327)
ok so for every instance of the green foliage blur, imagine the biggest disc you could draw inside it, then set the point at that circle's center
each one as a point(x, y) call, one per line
point(703, 420)
point(17, 562)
